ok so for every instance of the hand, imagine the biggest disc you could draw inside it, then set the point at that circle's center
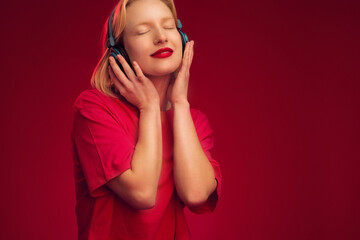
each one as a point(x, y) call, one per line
point(178, 86)
point(137, 89)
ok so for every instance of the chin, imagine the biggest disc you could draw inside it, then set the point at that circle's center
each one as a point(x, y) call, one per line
point(163, 70)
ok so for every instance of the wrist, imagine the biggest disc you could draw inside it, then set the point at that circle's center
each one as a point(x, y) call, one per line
point(149, 107)
point(181, 105)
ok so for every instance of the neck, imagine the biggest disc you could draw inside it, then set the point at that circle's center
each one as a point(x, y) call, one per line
point(161, 84)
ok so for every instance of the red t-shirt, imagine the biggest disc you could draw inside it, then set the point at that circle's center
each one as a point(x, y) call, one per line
point(104, 136)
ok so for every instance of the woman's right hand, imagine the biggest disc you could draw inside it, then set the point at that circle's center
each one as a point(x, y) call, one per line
point(137, 89)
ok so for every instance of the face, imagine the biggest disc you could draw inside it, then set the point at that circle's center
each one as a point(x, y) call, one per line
point(150, 26)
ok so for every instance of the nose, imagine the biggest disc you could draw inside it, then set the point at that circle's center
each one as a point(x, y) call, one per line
point(160, 37)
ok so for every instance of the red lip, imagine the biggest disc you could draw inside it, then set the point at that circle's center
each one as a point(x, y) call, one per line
point(163, 52)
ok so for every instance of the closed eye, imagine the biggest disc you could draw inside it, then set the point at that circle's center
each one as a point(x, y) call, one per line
point(169, 25)
point(142, 33)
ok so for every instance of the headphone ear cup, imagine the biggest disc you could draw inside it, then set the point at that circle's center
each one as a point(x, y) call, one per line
point(184, 39)
point(114, 51)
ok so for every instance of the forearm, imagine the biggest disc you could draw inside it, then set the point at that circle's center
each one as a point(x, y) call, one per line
point(138, 185)
point(193, 174)
point(147, 157)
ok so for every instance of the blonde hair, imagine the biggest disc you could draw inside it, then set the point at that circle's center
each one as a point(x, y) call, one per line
point(100, 78)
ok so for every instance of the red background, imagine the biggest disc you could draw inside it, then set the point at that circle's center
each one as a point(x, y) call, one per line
point(279, 81)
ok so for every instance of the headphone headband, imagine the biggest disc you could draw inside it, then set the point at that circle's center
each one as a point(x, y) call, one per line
point(111, 40)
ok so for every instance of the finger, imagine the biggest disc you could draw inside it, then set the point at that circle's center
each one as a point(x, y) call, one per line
point(191, 53)
point(120, 76)
point(186, 56)
point(184, 59)
point(113, 77)
point(140, 75)
point(129, 72)
point(116, 82)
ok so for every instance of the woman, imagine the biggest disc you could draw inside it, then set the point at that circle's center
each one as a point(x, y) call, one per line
point(141, 153)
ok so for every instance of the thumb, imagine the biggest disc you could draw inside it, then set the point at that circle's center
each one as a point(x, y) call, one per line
point(178, 70)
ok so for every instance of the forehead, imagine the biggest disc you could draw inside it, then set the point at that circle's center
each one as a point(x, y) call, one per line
point(143, 11)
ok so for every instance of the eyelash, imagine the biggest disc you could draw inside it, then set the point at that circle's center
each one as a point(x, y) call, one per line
point(168, 28)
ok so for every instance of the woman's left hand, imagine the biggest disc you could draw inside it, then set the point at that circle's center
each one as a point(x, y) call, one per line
point(178, 87)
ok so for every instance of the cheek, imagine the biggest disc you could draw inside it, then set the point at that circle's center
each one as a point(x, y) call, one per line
point(135, 49)
point(134, 53)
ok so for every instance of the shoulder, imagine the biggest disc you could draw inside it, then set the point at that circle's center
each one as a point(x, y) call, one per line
point(93, 102)
point(92, 98)
point(198, 116)
point(200, 120)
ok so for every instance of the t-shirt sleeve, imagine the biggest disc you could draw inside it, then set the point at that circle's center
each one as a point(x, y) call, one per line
point(102, 146)
point(206, 138)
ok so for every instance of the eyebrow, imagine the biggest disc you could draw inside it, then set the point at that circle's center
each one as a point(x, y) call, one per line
point(162, 20)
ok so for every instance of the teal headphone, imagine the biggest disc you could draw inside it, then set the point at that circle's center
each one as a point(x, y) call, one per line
point(116, 50)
